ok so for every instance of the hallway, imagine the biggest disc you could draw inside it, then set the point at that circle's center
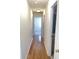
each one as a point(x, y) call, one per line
point(37, 50)
point(36, 24)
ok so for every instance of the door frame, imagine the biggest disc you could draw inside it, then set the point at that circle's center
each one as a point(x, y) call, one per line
point(37, 14)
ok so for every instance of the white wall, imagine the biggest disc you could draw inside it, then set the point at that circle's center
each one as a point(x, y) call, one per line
point(47, 34)
point(25, 29)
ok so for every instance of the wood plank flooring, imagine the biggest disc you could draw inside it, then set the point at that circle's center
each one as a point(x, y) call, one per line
point(37, 50)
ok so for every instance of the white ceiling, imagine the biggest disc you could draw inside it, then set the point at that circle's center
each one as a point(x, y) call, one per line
point(38, 3)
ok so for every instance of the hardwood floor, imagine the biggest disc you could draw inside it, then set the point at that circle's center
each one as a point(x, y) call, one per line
point(37, 50)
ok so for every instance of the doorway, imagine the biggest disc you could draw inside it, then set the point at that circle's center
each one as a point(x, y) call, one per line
point(54, 10)
point(38, 26)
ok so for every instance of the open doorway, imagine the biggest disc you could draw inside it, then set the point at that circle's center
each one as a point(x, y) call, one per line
point(54, 16)
point(38, 26)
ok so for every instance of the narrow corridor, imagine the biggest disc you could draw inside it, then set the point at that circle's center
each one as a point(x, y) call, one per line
point(36, 24)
